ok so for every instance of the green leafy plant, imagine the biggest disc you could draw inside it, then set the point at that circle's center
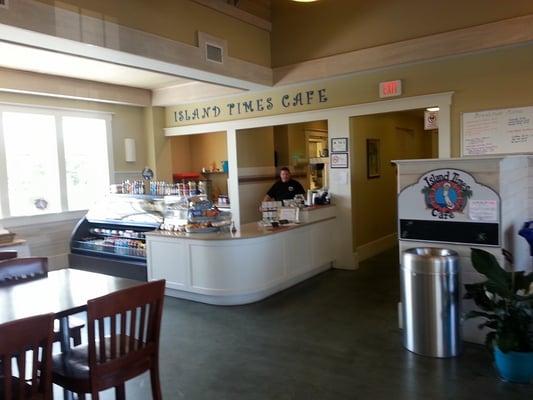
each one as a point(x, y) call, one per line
point(505, 301)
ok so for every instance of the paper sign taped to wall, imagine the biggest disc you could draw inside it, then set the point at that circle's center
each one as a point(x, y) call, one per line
point(483, 210)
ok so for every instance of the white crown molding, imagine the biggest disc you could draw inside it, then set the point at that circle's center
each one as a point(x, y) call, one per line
point(507, 32)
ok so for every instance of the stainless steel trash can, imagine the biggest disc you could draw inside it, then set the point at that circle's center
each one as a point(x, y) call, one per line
point(431, 304)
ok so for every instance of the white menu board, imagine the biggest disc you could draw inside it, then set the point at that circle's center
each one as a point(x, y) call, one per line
point(497, 131)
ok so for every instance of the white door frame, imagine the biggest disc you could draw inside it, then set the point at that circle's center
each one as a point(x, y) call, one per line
point(338, 127)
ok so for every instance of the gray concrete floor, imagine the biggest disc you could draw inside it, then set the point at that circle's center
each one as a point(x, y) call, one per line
point(334, 336)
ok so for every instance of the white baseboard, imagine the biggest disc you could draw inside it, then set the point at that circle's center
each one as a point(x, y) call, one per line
point(375, 247)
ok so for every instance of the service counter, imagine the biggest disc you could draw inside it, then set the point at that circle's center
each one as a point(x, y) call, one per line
point(255, 262)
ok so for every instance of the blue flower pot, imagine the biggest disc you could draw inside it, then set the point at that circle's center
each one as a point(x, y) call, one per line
point(514, 366)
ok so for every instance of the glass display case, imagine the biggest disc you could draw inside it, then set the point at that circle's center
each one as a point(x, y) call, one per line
point(110, 239)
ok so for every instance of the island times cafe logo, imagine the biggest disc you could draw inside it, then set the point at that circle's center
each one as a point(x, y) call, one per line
point(446, 194)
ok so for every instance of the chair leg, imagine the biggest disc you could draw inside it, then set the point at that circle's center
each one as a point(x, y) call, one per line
point(154, 378)
point(95, 395)
point(81, 396)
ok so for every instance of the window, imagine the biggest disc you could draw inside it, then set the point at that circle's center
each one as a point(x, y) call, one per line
point(51, 161)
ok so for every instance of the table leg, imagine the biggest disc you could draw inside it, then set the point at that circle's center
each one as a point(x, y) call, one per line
point(65, 348)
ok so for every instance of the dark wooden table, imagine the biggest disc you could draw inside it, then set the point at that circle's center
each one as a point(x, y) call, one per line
point(63, 292)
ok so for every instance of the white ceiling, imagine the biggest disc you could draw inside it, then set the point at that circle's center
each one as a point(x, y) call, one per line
point(47, 62)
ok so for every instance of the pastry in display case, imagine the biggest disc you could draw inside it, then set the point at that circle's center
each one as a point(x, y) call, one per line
point(196, 215)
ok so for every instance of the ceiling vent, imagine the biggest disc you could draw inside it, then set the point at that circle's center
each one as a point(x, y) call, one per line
point(214, 53)
point(4, 3)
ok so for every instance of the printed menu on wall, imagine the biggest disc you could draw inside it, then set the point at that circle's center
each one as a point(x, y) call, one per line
point(497, 131)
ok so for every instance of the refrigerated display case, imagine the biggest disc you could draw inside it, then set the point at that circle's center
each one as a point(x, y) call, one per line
point(110, 239)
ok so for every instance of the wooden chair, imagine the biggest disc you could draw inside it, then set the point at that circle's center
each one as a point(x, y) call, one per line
point(29, 342)
point(8, 254)
point(17, 270)
point(123, 330)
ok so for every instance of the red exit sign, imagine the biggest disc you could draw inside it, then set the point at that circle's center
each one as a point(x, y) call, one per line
point(390, 88)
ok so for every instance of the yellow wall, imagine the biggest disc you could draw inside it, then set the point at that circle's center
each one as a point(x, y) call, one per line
point(289, 142)
point(127, 122)
point(493, 79)
point(179, 20)
point(332, 27)
point(401, 136)
point(158, 146)
point(208, 150)
point(193, 152)
point(255, 147)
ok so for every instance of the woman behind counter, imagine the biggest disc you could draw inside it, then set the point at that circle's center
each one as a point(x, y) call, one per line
point(285, 188)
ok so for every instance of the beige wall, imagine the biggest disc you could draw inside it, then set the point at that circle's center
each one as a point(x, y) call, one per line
point(401, 136)
point(179, 20)
point(340, 26)
point(193, 152)
point(158, 146)
point(127, 122)
point(290, 144)
point(255, 147)
point(488, 80)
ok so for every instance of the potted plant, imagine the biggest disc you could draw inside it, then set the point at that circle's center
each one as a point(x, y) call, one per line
point(505, 301)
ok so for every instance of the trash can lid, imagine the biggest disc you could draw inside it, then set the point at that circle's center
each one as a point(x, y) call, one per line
point(431, 260)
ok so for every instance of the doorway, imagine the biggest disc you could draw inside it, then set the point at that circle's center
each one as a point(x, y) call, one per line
point(377, 140)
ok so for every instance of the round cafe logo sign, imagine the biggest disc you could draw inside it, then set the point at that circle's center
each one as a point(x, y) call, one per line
point(446, 194)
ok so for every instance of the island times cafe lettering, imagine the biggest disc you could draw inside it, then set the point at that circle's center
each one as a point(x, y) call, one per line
point(261, 104)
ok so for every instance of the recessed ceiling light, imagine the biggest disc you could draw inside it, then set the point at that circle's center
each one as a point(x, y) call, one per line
point(432, 109)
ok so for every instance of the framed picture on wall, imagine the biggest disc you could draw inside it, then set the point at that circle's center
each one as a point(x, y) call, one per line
point(339, 160)
point(339, 145)
point(373, 158)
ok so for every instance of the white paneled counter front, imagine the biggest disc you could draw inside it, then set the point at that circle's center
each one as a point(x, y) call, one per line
point(242, 267)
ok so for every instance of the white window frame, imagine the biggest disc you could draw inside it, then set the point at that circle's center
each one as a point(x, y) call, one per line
point(58, 114)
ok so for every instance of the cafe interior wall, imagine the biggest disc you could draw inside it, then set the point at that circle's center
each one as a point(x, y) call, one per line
point(401, 136)
point(492, 79)
point(498, 78)
point(192, 153)
point(179, 20)
point(341, 26)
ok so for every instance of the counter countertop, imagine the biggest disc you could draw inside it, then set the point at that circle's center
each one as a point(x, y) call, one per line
point(247, 231)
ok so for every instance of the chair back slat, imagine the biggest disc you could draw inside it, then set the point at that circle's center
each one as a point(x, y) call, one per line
point(101, 338)
point(133, 320)
point(113, 340)
point(21, 269)
point(142, 325)
point(6, 362)
point(126, 337)
point(123, 333)
point(29, 342)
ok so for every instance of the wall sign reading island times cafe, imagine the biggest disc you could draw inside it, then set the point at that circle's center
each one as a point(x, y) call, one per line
point(253, 107)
